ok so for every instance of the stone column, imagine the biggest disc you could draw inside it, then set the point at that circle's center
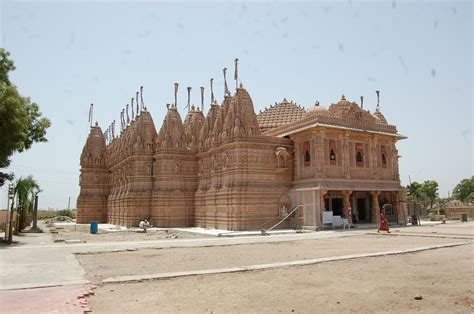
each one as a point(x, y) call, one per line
point(297, 157)
point(375, 210)
point(319, 156)
point(345, 156)
point(346, 203)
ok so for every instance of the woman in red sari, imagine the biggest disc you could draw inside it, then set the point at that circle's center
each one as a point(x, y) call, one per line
point(383, 222)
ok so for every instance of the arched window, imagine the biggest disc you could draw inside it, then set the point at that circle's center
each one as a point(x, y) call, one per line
point(359, 157)
point(384, 159)
point(332, 155)
point(307, 154)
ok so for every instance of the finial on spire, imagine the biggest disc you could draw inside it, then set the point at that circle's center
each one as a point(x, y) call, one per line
point(212, 91)
point(226, 88)
point(316, 103)
point(91, 112)
point(141, 98)
point(167, 106)
point(136, 100)
point(189, 98)
point(202, 99)
point(113, 129)
point(378, 100)
point(128, 117)
point(122, 119)
point(236, 74)
point(362, 102)
point(133, 114)
point(343, 97)
point(176, 85)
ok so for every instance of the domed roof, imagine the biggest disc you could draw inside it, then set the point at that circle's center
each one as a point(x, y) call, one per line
point(171, 134)
point(279, 114)
point(379, 116)
point(93, 151)
point(317, 108)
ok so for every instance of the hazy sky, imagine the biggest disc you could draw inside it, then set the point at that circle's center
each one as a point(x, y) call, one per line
point(418, 54)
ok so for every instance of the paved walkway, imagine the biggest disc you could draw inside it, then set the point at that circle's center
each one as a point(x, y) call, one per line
point(69, 299)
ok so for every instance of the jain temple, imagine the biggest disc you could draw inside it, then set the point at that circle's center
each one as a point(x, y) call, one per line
point(229, 168)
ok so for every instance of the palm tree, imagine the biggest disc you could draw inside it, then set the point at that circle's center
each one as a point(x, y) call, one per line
point(24, 191)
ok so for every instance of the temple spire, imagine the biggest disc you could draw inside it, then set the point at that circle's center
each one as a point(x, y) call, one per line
point(133, 113)
point(202, 99)
point(212, 91)
point(236, 74)
point(226, 88)
point(176, 85)
point(189, 98)
point(141, 98)
point(113, 129)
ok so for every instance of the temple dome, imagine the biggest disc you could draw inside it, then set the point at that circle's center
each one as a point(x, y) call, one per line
point(280, 114)
point(171, 134)
point(379, 116)
point(93, 151)
point(317, 108)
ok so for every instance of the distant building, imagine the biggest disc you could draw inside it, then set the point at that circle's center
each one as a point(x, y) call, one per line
point(237, 170)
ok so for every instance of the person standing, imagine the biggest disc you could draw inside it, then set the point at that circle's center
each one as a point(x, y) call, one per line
point(383, 222)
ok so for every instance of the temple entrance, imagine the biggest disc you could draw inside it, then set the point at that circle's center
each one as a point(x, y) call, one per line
point(336, 206)
point(362, 210)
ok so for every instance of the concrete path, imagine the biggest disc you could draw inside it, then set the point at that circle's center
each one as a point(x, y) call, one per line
point(27, 265)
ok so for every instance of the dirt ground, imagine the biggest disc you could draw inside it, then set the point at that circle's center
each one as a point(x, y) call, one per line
point(441, 279)
point(82, 234)
point(103, 265)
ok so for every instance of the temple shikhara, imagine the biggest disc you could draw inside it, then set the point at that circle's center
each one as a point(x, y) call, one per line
point(232, 169)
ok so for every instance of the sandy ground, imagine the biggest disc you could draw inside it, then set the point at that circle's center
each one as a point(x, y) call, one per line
point(82, 233)
point(99, 266)
point(442, 278)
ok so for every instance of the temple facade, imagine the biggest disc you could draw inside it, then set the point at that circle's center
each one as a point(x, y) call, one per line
point(232, 169)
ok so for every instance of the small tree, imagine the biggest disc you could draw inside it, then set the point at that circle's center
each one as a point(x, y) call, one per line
point(24, 191)
point(464, 191)
point(430, 190)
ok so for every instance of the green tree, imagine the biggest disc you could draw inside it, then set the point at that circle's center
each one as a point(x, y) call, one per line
point(464, 191)
point(21, 123)
point(430, 190)
point(24, 191)
point(415, 192)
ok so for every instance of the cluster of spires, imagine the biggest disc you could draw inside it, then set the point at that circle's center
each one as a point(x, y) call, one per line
point(125, 119)
point(190, 107)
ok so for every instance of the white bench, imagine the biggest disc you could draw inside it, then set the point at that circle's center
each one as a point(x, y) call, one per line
point(337, 221)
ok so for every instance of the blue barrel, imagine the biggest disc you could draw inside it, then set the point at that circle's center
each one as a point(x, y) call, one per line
point(94, 227)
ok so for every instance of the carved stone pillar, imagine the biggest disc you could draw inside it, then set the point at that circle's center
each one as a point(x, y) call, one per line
point(319, 156)
point(374, 162)
point(346, 203)
point(375, 210)
point(297, 160)
point(345, 156)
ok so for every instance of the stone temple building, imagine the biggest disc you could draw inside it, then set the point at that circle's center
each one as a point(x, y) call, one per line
point(232, 169)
